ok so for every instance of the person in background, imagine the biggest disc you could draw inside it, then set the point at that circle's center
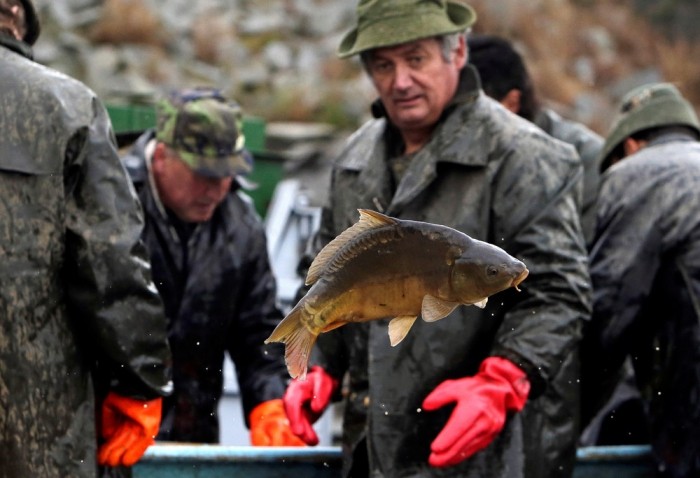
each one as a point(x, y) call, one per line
point(645, 268)
point(505, 77)
point(210, 264)
point(484, 392)
point(83, 334)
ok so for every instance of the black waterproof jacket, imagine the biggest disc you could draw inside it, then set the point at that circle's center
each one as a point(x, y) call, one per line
point(645, 267)
point(498, 178)
point(75, 284)
point(219, 295)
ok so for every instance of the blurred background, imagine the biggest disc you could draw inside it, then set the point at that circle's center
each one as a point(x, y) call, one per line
point(277, 57)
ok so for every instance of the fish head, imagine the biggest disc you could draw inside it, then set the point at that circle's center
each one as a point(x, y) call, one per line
point(484, 269)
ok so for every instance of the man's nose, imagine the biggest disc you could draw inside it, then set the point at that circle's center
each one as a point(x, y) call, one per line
point(403, 78)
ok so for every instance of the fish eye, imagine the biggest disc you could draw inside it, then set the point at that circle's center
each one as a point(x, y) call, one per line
point(491, 271)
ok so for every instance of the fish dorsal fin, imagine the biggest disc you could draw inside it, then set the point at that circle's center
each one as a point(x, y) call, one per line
point(399, 327)
point(482, 303)
point(435, 309)
point(368, 220)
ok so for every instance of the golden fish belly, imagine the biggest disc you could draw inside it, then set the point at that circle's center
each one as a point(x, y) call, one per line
point(364, 302)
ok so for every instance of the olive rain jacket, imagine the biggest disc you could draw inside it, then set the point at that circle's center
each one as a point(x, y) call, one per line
point(219, 295)
point(588, 145)
point(75, 286)
point(500, 179)
point(645, 267)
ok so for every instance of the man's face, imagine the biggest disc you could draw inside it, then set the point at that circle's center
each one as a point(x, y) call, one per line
point(414, 81)
point(190, 196)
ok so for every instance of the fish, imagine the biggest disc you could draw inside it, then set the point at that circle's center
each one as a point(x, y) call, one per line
point(383, 267)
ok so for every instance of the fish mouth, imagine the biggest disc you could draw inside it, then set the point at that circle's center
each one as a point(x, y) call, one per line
point(521, 277)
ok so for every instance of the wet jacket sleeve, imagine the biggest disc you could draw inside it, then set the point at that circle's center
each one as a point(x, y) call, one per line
point(261, 371)
point(110, 293)
point(540, 226)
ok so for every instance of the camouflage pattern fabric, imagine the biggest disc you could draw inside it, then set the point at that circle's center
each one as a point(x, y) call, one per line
point(205, 130)
point(75, 287)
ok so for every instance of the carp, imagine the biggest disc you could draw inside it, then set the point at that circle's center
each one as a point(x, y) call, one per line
point(384, 267)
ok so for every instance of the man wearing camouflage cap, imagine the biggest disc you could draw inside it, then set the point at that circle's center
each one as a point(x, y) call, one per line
point(83, 333)
point(645, 267)
point(210, 264)
point(439, 150)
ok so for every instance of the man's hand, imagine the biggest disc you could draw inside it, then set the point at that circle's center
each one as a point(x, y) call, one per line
point(305, 401)
point(482, 402)
point(269, 426)
point(128, 426)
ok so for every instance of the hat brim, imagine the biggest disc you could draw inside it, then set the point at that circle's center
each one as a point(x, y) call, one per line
point(218, 167)
point(395, 30)
point(666, 112)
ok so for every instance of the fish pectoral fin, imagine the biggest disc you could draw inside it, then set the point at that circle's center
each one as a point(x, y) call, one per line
point(482, 303)
point(435, 309)
point(399, 327)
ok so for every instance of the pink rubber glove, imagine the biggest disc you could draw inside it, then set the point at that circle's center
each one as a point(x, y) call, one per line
point(482, 402)
point(305, 401)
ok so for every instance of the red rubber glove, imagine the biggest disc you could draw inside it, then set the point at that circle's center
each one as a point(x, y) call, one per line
point(129, 426)
point(482, 402)
point(305, 401)
point(269, 426)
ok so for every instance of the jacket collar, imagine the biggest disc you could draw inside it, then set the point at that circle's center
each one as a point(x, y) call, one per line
point(17, 46)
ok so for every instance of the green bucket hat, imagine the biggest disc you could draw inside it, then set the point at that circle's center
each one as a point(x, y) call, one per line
point(33, 26)
point(648, 106)
point(205, 129)
point(383, 23)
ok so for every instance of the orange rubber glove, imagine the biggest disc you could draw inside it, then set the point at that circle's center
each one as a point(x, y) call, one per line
point(305, 401)
point(128, 426)
point(269, 426)
point(482, 402)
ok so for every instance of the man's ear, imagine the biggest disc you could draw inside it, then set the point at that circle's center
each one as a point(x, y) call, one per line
point(512, 100)
point(461, 53)
point(631, 145)
point(160, 153)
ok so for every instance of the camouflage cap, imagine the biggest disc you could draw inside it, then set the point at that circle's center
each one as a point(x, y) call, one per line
point(205, 129)
point(648, 106)
point(383, 23)
point(32, 20)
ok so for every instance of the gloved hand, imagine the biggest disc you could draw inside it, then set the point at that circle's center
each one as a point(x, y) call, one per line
point(129, 426)
point(482, 402)
point(305, 401)
point(269, 426)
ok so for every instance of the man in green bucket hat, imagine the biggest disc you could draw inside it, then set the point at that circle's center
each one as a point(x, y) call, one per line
point(439, 150)
point(645, 268)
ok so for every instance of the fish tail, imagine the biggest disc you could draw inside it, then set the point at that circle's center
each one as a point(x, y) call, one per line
point(298, 341)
